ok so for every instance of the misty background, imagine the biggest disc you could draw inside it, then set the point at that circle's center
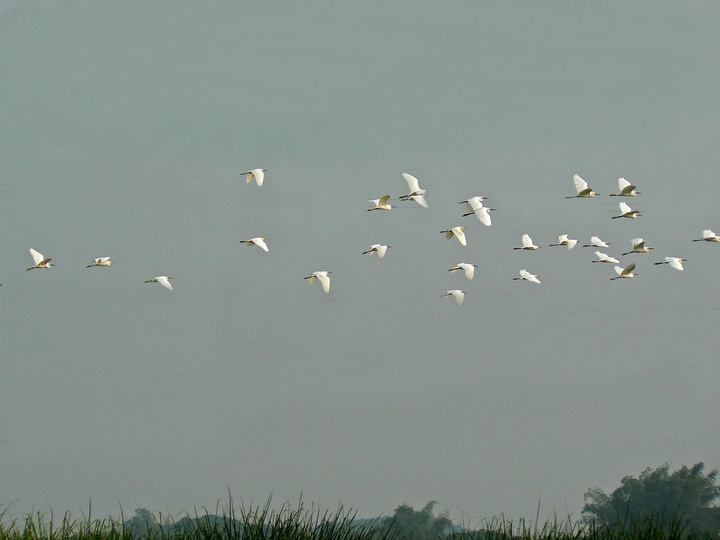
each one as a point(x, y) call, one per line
point(124, 129)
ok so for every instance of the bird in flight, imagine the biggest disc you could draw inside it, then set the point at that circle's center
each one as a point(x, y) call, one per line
point(39, 260)
point(257, 174)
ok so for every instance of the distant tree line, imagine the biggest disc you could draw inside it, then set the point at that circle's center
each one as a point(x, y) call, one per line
point(675, 505)
point(686, 495)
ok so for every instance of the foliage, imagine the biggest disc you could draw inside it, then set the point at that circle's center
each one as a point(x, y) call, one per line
point(409, 524)
point(685, 495)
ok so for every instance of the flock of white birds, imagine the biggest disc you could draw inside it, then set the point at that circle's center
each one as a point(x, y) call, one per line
point(475, 207)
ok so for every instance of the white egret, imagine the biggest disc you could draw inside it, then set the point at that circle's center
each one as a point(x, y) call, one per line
point(527, 276)
point(257, 174)
point(39, 260)
point(458, 233)
point(483, 214)
point(605, 258)
point(596, 242)
point(638, 246)
point(380, 249)
point(381, 203)
point(627, 212)
point(473, 203)
point(100, 261)
point(257, 241)
point(708, 236)
point(162, 280)
point(458, 294)
point(527, 243)
point(625, 189)
point(626, 272)
point(416, 194)
point(413, 186)
point(581, 186)
point(322, 277)
point(675, 262)
point(468, 268)
point(563, 240)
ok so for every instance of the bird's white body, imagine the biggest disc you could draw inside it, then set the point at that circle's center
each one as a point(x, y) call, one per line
point(416, 194)
point(675, 262)
point(255, 174)
point(413, 186)
point(380, 249)
point(473, 203)
point(627, 212)
point(596, 242)
point(563, 240)
point(162, 280)
point(322, 277)
point(468, 268)
point(475, 207)
point(708, 236)
point(625, 189)
point(638, 246)
point(100, 261)
point(457, 232)
point(457, 294)
point(39, 260)
point(626, 272)
point(605, 258)
point(527, 243)
point(257, 241)
point(581, 186)
point(381, 203)
point(527, 276)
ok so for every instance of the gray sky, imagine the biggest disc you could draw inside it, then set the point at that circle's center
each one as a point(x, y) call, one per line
point(124, 129)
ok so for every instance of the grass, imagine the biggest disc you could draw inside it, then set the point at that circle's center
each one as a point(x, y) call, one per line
point(265, 523)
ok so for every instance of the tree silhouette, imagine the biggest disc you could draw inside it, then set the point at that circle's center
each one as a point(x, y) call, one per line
point(686, 494)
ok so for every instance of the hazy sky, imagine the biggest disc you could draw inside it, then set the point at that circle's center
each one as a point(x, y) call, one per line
point(124, 128)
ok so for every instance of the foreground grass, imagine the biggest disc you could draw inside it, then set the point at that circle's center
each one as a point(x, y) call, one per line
point(263, 523)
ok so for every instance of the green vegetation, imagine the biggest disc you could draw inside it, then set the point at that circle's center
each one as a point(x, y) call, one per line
point(658, 505)
point(682, 497)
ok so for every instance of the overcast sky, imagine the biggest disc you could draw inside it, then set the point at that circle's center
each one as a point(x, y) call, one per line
point(124, 127)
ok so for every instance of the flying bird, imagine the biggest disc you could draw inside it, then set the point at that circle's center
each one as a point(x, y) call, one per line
point(39, 260)
point(605, 258)
point(708, 236)
point(638, 246)
point(563, 240)
point(416, 194)
point(527, 276)
point(675, 262)
point(322, 277)
point(162, 280)
point(626, 272)
point(527, 243)
point(100, 261)
point(596, 242)
point(457, 232)
point(625, 189)
point(581, 186)
point(413, 185)
point(458, 294)
point(627, 212)
point(380, 249)
point(473, 203)
point(475, 207)
point(257, 241)
point(257, 174)
point(381, 203)
point(468, 268)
